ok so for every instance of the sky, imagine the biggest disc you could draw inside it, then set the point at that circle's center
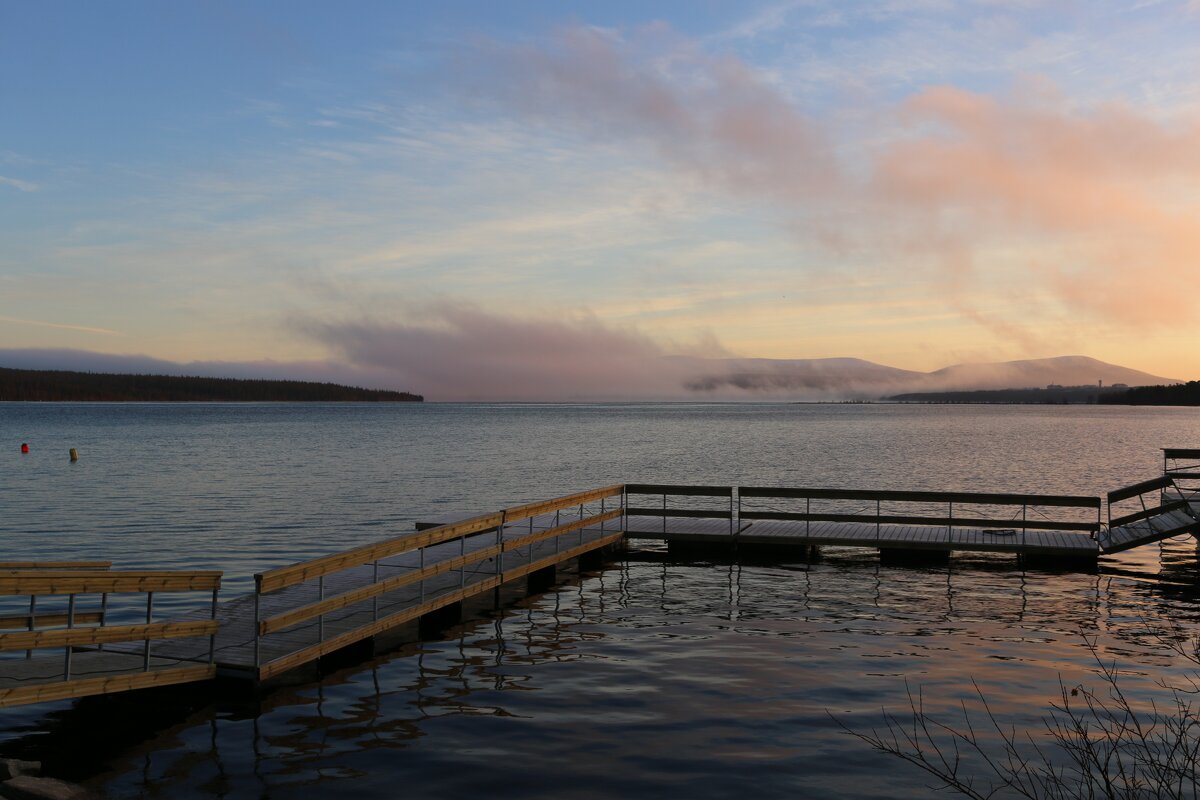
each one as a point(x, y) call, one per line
point(453, 198)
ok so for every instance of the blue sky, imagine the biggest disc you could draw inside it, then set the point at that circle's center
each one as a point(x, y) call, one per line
point(299, 185)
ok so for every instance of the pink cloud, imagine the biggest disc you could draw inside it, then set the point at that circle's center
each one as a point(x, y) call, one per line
point(461, 352)
point(1104, 195)
point(1109, 189)
point(712, 115)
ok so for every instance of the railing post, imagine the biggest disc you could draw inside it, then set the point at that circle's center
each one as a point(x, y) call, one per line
point(808, 517)
point(732, 530)
point(602, 520)
point(212, 637)
point(664, 518)
point(321, 618)
point(70, 624)
point(375, 600)
point(462, 567)
point(500, 552)
point(149, 620)
point(32, 620)
point(950, 520)
point(421, 569)
point(103, 613)
point(878, 528)
point(257, 609)
point(1024, 530)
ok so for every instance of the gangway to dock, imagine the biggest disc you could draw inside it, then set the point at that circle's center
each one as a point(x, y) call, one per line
point(1168, 513)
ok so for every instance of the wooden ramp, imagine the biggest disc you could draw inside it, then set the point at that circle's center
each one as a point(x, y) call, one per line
point(1164, 512)
point(308, 610)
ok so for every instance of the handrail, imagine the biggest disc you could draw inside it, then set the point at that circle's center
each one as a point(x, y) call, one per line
point(694, 513)
point(318, 568)
point(45, 582)
point(678, 489)
point(912, 519)
point(34, 621)
point(55, 565)
point(371, 554)
point(282, 577)
point(1139, 489)
point(377, 588)
point(568, 501)
point(76, 637)
point(978, 498)
point(948, 519)
point(88, 629)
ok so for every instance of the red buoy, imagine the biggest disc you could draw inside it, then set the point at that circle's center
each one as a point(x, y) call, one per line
point(24, 447)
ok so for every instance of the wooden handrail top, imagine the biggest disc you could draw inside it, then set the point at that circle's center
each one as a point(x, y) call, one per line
point(78, 637)
point(282, 577)
point(339, 641)
point(25, 565)
point(940, 522)
point(978, 498)
point(678, 489)
point(394, 582)
point(1180, 452)
point(1139, 488)
point(50, 620)
point(44, 582)
point(568, 501)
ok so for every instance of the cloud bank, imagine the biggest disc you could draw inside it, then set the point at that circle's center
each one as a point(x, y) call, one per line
point(1091, 207)
point(463, 353)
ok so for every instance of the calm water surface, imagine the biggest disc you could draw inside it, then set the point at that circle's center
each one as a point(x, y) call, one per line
point(652, 677)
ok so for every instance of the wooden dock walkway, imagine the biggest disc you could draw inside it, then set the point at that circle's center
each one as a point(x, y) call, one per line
point(296, 615)
point(301, 613)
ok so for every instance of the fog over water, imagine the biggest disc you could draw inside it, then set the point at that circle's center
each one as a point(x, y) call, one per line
point(651, 677)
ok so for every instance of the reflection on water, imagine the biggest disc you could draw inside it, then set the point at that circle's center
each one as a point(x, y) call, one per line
point(652, 677)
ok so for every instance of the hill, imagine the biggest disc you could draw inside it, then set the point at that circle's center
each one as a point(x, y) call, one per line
point(851, 378)
point(49, 385)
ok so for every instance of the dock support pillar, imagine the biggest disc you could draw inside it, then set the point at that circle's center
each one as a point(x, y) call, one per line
point(432, 624)
point(540, 580)
point(592, 560)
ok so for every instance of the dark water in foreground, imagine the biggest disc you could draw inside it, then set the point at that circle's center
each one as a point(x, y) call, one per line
point(647, 679)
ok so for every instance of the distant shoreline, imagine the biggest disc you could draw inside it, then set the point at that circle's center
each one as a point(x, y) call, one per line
point(27, 385)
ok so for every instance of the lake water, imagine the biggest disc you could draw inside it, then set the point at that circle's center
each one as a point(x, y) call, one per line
point(652, 677)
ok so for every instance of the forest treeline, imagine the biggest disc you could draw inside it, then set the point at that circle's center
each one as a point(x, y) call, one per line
point(49, 385)
point(1180, 394)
